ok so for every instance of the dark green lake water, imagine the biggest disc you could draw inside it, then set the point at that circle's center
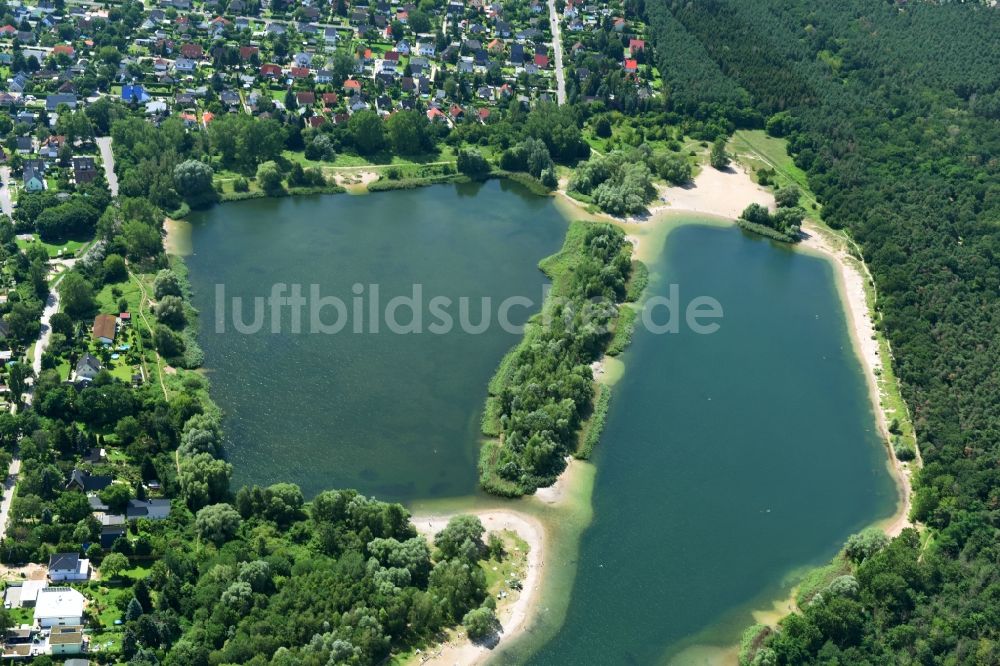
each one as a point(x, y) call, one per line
point(396, 416)
point(728, 460)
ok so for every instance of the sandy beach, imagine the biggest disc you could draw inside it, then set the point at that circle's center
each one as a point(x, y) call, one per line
point(851, 282)
point(513, 617)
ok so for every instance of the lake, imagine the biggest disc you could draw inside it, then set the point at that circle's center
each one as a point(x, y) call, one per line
point(393, 415)
point(728, 460)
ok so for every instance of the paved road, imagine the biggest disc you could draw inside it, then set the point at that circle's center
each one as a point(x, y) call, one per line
point(557, 47)
point(51, 307)
point(8, 493)
point(6, 202)
point(108, 157)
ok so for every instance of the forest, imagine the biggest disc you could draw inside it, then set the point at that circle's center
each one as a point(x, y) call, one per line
point(890, 108)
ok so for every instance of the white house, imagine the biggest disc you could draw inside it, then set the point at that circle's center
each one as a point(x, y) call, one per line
point(66, 640)
point(68, 566)
point(426, 49)
point(59, 607)
point(87, 368)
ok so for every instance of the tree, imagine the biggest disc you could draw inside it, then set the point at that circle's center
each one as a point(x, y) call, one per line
point(170, 311)
point(166, 283)
point(269, 179)
point(193, 181)
point(481, 624)
point(114, 269)
point(460, 529)
point(168, 343)
point(204, 480)
point(367, 132)
point(472, 163)
point(133, 610)
point(113, 565)
point(787, 197)
point(217, 523)
point(459, 585)
point(77, 295)
point(116, 496)
point(141, 240)
point(719, 157)
point(409, 133)
point(861, 546)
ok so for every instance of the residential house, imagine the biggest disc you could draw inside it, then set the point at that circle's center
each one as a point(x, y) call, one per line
point(52, 102)
point(104, 328)
point(84, 169)
point(134, 93)
point(185, 65)
point(59, 607)
point(34, 180)
point(68, 566)
point(87, 368)
point(151, 509)
point(66, 640)
point(87, 482)
point(330, 35)
point(426, 49)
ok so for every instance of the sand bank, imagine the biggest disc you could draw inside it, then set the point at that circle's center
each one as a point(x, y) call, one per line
point(513, 617)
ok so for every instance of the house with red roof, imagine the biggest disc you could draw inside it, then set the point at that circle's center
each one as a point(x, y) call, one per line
point(192, 51)
point(631, 66)
point(352, 85)
point(330, 99)
point(305, 98)
point(541, 61)
point(316, 121)
point(65, 49)
point(300, 72)
point(636, 45)
point(8, 30)
point(435, 113)
point(270, 71)
point(247, 52)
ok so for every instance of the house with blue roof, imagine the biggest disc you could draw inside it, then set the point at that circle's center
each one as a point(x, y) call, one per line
point(134, 93)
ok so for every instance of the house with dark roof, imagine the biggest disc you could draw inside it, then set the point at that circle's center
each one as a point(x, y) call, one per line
point(84, 169)
point(150, 509)
point(87, 482)
point(52, 102)
point(33, 179)
point(68, 566)
point(87, 368)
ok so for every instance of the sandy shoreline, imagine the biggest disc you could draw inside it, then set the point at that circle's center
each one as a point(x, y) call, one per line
point(513, 618)
point(851, 284)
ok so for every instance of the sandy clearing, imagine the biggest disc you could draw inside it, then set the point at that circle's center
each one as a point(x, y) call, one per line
point(458, 649)
point(713, 192)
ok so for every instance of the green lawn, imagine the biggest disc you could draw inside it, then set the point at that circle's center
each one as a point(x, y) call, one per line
point(66, 249)
point(756, 150)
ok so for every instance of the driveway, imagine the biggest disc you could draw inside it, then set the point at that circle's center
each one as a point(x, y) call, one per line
point(108, 158)
point(6, 200)
point(51, 307)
